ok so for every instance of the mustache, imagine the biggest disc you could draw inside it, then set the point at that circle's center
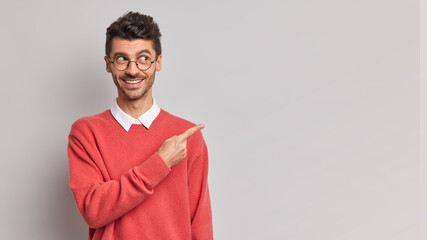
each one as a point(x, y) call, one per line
point(133, 76)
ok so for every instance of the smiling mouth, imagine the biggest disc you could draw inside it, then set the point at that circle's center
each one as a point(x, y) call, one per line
point(133, 81)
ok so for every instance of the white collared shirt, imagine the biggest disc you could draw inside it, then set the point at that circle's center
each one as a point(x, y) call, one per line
point(126, 121)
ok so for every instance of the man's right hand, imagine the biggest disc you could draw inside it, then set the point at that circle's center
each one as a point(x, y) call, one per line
point(174, 149)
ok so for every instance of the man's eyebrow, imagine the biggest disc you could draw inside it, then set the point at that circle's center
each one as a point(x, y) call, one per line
point(144, 51)
point(119, 54)
point(125, 54)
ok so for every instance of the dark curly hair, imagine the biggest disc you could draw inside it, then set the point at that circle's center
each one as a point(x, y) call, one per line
point(131, 26)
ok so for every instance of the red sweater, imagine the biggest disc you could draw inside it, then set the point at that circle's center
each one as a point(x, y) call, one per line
point(125, 191)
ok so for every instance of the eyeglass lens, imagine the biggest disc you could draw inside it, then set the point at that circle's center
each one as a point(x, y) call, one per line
point(142, 62)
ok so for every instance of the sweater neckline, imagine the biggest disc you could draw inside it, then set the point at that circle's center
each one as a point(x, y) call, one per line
point(142, 128)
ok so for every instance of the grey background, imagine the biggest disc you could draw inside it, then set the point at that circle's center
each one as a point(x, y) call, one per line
point(312, 111)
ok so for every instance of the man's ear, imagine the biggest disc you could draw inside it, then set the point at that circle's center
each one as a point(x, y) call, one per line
point(159, 63)
point(107, 64)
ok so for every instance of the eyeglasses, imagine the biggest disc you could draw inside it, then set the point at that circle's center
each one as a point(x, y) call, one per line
point(142, 63)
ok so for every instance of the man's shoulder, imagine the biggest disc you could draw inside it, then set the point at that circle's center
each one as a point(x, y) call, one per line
point(94, 121)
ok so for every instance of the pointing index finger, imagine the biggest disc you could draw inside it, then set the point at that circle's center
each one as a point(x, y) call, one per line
point(191, 131)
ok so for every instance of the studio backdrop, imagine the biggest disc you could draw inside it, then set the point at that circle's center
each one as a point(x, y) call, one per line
point(312, 111)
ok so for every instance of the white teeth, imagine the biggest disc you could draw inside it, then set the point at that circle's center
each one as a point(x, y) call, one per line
point(137, 81)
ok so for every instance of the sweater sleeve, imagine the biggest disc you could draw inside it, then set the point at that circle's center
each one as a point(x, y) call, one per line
point(102, 201)
point(200, 205)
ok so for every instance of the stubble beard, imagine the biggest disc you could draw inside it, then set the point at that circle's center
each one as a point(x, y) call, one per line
point(138, 94)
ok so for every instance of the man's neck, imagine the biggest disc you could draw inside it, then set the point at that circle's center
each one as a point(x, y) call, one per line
point(135, 108)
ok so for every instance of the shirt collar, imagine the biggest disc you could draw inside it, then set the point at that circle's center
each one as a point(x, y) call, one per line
point(126, 121)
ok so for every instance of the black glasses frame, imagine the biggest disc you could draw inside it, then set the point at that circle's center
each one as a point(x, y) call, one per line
point(129, 61)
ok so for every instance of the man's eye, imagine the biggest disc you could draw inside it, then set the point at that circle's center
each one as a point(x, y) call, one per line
point(143, 59)
point(120, 59)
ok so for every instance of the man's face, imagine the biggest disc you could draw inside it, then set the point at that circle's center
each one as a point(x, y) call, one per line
point(133, 83)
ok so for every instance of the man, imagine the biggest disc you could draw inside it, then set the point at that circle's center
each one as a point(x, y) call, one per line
point(137, 171)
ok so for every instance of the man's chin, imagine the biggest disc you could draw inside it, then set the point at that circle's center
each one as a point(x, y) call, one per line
point(133, 96)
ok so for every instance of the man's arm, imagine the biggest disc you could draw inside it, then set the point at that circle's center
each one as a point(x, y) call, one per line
point(102, 201)
point(200, 205)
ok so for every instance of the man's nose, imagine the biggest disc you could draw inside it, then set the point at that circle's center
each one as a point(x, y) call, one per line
point(132, 68)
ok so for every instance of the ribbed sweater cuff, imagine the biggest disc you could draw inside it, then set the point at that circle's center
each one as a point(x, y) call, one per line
point(154, 169)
